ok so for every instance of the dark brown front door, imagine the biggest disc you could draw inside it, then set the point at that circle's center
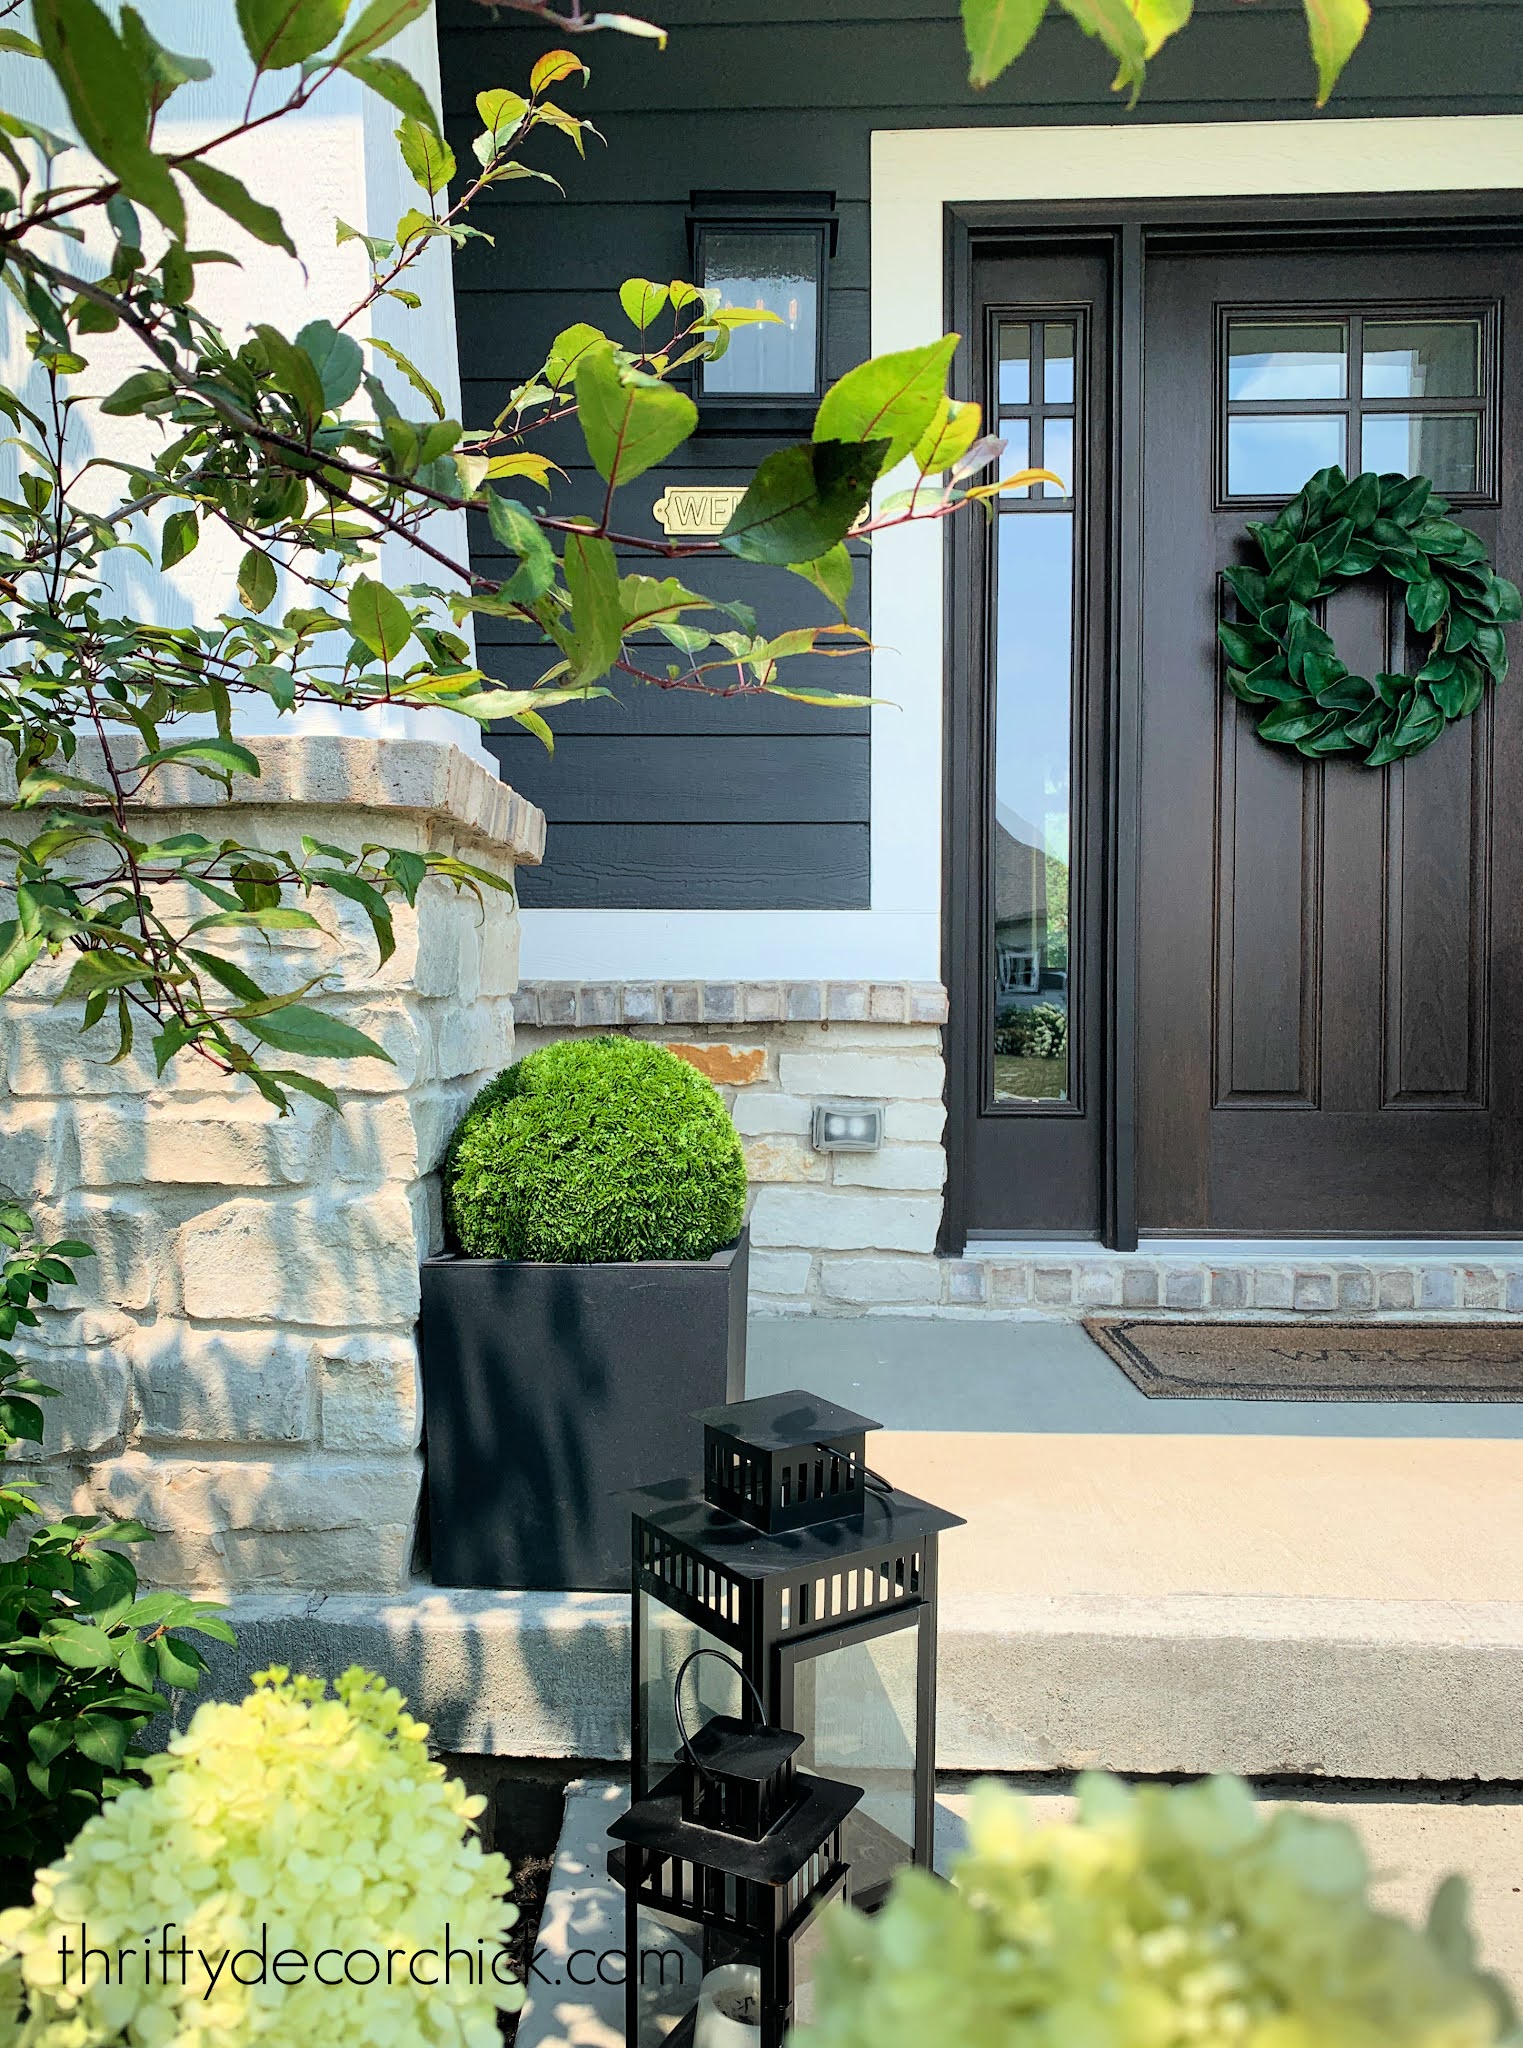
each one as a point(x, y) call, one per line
point(1329, 957)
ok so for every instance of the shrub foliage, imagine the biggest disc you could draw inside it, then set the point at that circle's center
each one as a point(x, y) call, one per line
point(596, 1150)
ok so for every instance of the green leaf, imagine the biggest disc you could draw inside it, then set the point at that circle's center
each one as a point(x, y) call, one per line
point(277, 683)
point(179, 1664)
point(101, 971)
point(950, 435)
point(832, 573)
point(411, 372)
point(257, 580)
point(232, 197)
point(279, 33)
point(13, 40)
point(337, 359)
point(1336, 27)
point(597, 616)
point(181, 532)
point(893, 398)
point(431, 161)
point(1119, 29)
point(643, 301)
point(378, 618)
point(165, 70)
point(107, 95)
point(996, 32)
point(313, 1034)
point(379, 22)
point(81, 1646)
point(1427, 602)
point(397, 86)
point(47, 1740)
point(1160, 19)
point(803, 501)
point(227, 756)
point(136, 392)
point(567, 351)
point(630, 421)
point(292, 370)
point(524, 537)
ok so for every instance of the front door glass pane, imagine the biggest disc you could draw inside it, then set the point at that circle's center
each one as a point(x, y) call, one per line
point(1031, 832)
point(1441, 446)
point(1290, 360)
point(1422, 358)
point(1272, 455)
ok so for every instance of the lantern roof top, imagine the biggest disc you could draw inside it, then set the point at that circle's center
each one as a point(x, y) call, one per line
point(678, 1509)
point(656, 1822)
point(729, 1748)
point(788, 1421)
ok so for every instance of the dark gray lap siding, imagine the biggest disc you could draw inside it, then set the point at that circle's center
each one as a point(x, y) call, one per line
point(669, 800)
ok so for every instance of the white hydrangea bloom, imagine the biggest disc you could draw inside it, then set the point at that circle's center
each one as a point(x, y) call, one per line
point(293, 1874)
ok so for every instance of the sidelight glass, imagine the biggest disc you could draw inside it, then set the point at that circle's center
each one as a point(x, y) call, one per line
point(1058, 456)
point(1443, 446)
point(1017, 438)
point(1015, 363)
point(1422, 358)
point(1271, 455)
point(1293, 359)
point(1058, 362)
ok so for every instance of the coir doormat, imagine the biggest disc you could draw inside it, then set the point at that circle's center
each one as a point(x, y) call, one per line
point(1194, 1361)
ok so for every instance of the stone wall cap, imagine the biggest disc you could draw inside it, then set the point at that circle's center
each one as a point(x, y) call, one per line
point(600, 1005)
point(323, 770)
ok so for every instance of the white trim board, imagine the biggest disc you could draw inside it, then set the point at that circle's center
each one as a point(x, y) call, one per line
point(916, 174)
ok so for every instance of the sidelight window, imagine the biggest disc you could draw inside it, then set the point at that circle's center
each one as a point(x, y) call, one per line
point(1031, 847)
point(1404, 394)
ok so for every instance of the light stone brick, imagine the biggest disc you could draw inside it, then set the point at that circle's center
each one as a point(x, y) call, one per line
point(731, 1066)
point(48, 1053)
point(1010, 1285)
point(914, 1123)
point(964, 1281)
point(31, 1141)
point(1183, 1288)
point(193, 1385)
point(1099, 1285)
point(1272, 1286)
point(89, 1412)
point(470, 1040)
point(497, 941)
point(894, 1166)
point(369, 1392)
point(865, 1283)
point(206, 1494)
point(783, 1159)
point(1052, 1286)
point(1229, 1287)
point(780, 1272)
point(833, 1220)
point(804, 1001)
point(321, 1261)
point(761, 1002)
point(1480, 1287)
point(1139, 1287)
point(376, 1139)
point(1397, 1289)
point(131, 1268)
point(848, 1001)
point(680, 1003)
point(641, 1005)
point(1313, 1291)
point(861, 1075)
point(760, 1112)
point(1515, 1289)
point(1435, 1287)
point(375, 1559)
point(235, 1139)
point(1356, 1290)
point(888, 1002)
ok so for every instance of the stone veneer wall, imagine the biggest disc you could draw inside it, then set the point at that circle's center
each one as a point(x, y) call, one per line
point(242, 1371)
point(852, 1233)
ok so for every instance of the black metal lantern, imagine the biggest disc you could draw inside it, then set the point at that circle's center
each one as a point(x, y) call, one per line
point(819, 1579)
point(770, 251)
point(726, 1865)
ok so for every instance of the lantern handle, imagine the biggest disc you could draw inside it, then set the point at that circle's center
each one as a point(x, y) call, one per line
point(741, 1673)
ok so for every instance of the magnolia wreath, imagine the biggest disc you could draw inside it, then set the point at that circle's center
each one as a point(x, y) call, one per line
point(1283, 664)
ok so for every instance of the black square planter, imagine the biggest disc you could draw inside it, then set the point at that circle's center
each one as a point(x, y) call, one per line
point(549, 1390)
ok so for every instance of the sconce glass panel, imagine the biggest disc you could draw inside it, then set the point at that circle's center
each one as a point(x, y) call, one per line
point(776, 270)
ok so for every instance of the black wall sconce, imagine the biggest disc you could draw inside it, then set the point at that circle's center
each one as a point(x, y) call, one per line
point(772, 251)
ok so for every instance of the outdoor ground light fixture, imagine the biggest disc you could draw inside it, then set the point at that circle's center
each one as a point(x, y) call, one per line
point(770, 251)
point(726, 1864)
point(818, 1579)
point(846, 1127)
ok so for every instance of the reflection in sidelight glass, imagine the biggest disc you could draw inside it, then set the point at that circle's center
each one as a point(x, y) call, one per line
point(1017, 455)
point(1058, 456)
point(776, 271)
point(1015, 363)
point(1271, 455)
point(1033, 744)
point(1422, 359)
point(1288, 360)
point(1058, 362)
point(1443, 446)
point(855, 1705)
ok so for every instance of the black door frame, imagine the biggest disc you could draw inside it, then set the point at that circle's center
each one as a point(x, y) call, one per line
point(1127, 232)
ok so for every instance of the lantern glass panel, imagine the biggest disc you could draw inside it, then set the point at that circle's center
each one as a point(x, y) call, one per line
point(667, 1639)
point(772, 270)
point(854, 1696)
point(669, 1958)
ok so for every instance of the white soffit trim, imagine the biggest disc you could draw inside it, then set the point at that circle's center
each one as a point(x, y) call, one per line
point(916, 173)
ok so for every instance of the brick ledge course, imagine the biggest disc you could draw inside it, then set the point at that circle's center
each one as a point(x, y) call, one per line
point(573, 1006)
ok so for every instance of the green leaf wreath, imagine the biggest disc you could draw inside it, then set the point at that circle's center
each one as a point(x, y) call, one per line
point(1284, 664)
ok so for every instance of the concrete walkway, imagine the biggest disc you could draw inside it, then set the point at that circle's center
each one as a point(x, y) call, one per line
point(1329, 1588)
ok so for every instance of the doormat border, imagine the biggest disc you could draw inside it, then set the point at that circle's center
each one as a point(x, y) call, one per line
point(1112, 1335)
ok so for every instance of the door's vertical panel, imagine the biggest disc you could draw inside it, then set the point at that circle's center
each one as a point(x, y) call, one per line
point(1436, 920)
point(1268, 918)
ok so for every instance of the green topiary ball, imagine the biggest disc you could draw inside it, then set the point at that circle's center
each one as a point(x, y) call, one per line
point(596, 1150)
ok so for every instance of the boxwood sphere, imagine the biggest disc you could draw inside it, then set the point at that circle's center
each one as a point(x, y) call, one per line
point(596, 1150)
